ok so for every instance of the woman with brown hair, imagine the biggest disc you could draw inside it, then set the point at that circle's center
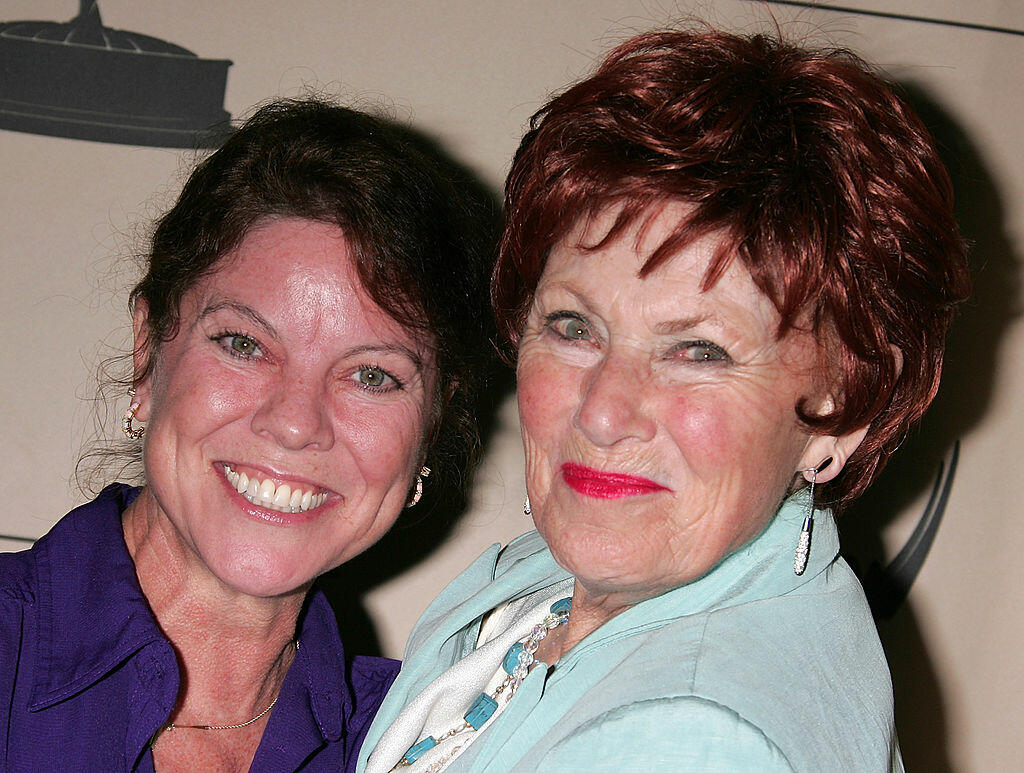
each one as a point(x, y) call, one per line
point(306, 342)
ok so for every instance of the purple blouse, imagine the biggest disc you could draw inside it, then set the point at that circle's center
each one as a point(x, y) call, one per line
point(87, 678)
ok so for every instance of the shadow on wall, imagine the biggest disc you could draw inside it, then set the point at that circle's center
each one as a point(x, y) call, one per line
point(419, 531)
point(972, 358)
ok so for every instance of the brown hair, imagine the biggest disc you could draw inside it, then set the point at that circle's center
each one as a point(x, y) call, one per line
point(416, 246)
point(819, 178)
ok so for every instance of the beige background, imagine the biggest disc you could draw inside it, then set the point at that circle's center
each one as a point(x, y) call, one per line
point(469, 73)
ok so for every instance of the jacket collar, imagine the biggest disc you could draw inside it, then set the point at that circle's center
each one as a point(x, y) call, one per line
point(761, 569)
point(91, 612)
point(320, 657)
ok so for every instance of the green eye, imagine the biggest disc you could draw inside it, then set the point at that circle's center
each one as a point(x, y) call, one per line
point(577, 331)
point(568, 325)
point(244, 345)
point(375, 379)
point(238, 345)
point(572, 329)
point(703, 351)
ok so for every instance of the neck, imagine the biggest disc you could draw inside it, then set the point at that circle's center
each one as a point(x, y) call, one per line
point(589, 612)
point(233, 649)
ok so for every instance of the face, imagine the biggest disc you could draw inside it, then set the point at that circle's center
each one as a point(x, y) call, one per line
point(658, 420)
point(287, 383)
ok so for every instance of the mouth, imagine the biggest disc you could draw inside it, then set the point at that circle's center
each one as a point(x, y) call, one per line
point(601, 484)
point(283, 497)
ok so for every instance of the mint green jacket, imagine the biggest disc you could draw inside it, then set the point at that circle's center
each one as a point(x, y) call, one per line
point(749, 668)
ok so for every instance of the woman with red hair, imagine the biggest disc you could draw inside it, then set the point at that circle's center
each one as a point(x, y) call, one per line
point(728, 269)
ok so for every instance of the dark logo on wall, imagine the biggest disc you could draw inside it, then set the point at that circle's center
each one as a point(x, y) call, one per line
point(82, 80)
point(887, 587)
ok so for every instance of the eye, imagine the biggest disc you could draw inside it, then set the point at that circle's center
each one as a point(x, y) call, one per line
point(239, 345)
point(702, 351)
point(375, 379)
point(570, 326)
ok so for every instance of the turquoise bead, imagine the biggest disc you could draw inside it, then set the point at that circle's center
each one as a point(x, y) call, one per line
point(562, 605)
point(417, 749)
point(512, 657)
point(481, 710)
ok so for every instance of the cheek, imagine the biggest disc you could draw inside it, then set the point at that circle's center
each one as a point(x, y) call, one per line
point(219, 396)
point(708, 433)
point(385, 443)
point(716, 430)
point(547, 397)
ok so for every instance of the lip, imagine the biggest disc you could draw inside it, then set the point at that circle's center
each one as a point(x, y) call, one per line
point(265, 513)
point(601, 484)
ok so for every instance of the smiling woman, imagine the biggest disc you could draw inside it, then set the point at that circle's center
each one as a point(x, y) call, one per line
point(727, 271)
point(306, 343)
point(306, 386)
point(649, 406)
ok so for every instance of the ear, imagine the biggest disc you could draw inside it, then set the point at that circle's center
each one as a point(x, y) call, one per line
point(141, 362)
point(820, 448)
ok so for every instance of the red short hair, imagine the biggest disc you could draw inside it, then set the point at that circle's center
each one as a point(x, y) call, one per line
point(819, 178)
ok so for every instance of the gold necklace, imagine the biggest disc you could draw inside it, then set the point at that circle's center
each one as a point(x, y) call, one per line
point(173, 726)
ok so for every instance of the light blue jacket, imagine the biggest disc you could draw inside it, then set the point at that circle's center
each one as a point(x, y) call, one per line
point(749, 668)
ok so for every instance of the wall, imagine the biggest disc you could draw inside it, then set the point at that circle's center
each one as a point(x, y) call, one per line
point(468, 74)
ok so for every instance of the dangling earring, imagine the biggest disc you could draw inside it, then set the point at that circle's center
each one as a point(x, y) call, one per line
point(526, 506)
point(803, 545)
point(418, 493)
point(126, 422)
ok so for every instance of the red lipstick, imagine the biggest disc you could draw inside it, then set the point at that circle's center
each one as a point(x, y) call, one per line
point(606, 485)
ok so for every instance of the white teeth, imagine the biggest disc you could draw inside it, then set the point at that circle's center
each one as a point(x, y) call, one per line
point(268, 494)
point(281, 497)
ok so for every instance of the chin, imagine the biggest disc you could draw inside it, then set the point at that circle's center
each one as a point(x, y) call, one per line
point(264, 574)
point(597, 557)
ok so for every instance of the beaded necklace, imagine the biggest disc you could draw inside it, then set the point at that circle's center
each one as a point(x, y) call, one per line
point(516, 664)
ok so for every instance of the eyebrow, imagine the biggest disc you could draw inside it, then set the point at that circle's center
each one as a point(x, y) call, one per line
point(388, 349)
point(258, 319)
point(242, 310)
point(676, 326)
point(667, 328)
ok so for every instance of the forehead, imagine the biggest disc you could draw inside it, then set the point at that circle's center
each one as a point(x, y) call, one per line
point(612, 274)
point(298, 273)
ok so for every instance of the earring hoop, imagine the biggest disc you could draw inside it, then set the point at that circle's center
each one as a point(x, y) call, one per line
point(132, 433)
point(418, 493)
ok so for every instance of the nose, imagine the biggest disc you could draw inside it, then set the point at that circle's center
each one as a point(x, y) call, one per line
point(295, 413)
point(613, 402)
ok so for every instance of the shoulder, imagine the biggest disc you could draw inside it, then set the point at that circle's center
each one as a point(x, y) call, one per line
point(822, 632)
point(17, 578)
point(806, 659)
point(17, 593)
point(764, 670)
point(678, 733)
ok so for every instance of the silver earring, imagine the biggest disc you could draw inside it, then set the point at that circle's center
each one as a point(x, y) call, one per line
point(126, 421)
point(803, 545)
point(418, 493)
point(526, 506)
